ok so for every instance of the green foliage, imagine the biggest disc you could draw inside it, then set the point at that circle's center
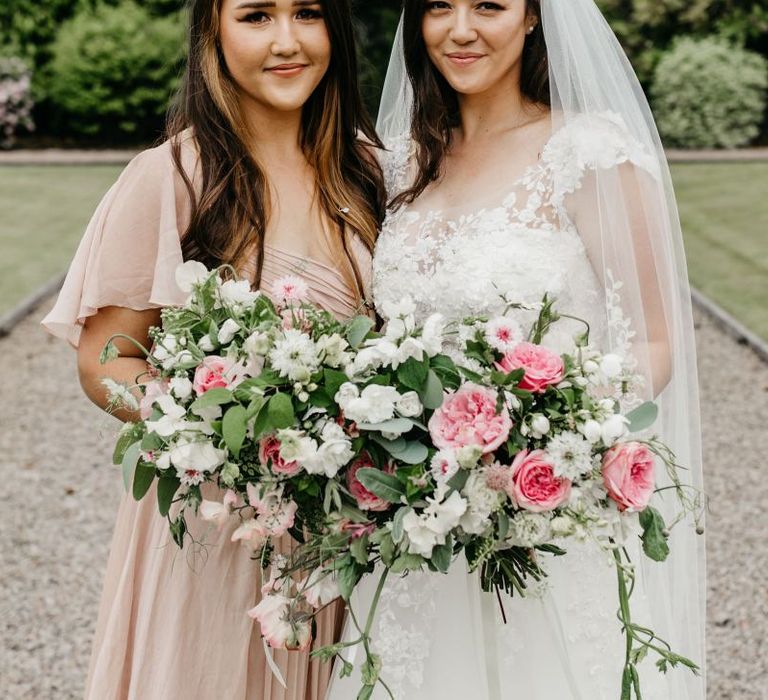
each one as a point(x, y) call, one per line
point(708, 94)
point(114, 69)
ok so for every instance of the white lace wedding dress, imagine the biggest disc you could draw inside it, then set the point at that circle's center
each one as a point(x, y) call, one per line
point(441, 638)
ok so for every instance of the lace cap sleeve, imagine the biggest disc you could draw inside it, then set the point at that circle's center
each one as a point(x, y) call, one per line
point(131, 248)
point(590, 143)
point(396, 163)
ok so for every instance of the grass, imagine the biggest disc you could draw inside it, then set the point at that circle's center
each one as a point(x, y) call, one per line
point(724, 208)
point(45, 210)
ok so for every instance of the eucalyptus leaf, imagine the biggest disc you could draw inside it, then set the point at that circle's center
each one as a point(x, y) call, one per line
point(130, 461)
point(643, 417)
point(441, 556)
point(397, 525)
point(414, 453)
point(395, 425)
point(394, 447)
point(358, 330)
point(432, 394)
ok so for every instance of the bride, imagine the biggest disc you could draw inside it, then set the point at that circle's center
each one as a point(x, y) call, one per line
point(524, 160)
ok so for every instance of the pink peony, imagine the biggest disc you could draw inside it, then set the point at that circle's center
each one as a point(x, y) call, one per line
point(218, 373)
point(269, 455)
point(152, 391)
point(542, 366)
point(468, 417)
point(628, 475)
point(534, 486)
point(365, 499)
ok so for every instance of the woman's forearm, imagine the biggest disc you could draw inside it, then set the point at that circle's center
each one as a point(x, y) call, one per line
point(129, 371)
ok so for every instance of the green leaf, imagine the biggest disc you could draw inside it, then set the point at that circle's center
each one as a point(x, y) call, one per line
point(261, 424)
point(234, 428)
point(387, 550)
point(359, 550)
point(281, 411)
point(333, 381)
point(407, 562)
point(214, 397)
point(432, 394)
point(459, 479)
point(167, 487)
point(503, 525)
point(654, 543)
point(394, 447)
point(151, 442)
point(413, 373)
point(126, 438)
point(358, 330)
point(347, 579)
point(643, 417)
point(441, 556)
point(142, 479)
point(255, 406)
point(414, 453)
point(366, 692)
point(178, 530)
point(397, 525)
point(381, 484)
point(395, 425)
point(130, 461)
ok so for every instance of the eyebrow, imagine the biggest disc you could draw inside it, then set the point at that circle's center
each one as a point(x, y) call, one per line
point(254, 5)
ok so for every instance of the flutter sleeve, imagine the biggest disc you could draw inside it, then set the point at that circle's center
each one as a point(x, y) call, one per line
point(132, 246)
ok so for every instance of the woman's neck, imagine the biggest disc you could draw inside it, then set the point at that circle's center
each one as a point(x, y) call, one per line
point(275, 136)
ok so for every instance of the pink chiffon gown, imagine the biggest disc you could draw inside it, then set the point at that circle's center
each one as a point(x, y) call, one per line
point(172, 623)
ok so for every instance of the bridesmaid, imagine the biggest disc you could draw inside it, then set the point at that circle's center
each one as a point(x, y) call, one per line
point(265, 169)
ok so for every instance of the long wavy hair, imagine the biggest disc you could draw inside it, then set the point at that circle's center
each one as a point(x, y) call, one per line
point(230, 207)
point(436, 105)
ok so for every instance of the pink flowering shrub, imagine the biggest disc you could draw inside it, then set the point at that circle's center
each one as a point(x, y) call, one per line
point(15, 99)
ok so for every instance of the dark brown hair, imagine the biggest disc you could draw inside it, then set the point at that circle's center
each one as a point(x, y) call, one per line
point(436, 105)
point(229, 214)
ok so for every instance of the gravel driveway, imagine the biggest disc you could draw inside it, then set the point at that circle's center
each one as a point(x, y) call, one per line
point(59, 495)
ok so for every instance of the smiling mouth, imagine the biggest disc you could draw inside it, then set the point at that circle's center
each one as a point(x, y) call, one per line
point(464, 59)
point(288, 70)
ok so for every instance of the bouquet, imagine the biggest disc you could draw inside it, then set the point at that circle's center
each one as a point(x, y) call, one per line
point(390, 452)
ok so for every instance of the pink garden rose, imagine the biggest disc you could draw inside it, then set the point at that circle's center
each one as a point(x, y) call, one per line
point(534, 486)
point(218, 373)
point(542, 366)
point(628, 475)
point(468, 417)
point(365, 499)
point(269, 454)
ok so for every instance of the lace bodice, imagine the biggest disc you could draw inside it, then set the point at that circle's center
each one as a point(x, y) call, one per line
point(522, 247)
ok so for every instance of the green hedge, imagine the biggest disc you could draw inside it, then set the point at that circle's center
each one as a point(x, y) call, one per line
point(709, 94)
point(113, 71)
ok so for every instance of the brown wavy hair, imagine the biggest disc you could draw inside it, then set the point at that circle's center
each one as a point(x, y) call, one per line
point(436, 105)
point(230, 212)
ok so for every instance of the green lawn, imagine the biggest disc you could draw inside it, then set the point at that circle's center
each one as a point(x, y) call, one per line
point(44, 212)
point(724, 208)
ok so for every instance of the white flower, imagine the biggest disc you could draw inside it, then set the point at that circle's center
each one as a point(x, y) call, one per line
point(320, 587)
point(206, 344)
point(346, 393)
point(237, 294)
point(591, 430)
point(590, 367)
point(295, 356)
point(409, 348)
point(296, 446)
point(400, 309)
point(421, 538)
point(181, 387)
point(193, 460)
point(257, 344)
point(563, 526)
point(431, 527)
point(570, 455)
point(443, 466)
point(611, 366)
point(120, 393)
point(432, 334)
point(290, 289)
point(468, 456)
point(208, 413)
point(228, 331)
point(334, 452)
point(375, 404)
point(333, 347)
point(614, 428)
point(173, 419)
point(214, 512)
point(445, 515)
point(250, 532)
point(395, 330)
point(190, 274)
point(409, 405)
point(503, 334)
point(529, 529)
point(481, 502)
point(539, 425)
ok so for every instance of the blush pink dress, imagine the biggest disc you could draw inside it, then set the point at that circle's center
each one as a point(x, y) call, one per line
point(172, 623)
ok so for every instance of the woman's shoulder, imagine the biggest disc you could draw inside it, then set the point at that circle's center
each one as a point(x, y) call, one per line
point(158, 161)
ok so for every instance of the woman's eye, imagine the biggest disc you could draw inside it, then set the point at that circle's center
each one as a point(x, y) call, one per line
point(256, 17)
point(309, 14)
point(434, 6)
point(489, 6)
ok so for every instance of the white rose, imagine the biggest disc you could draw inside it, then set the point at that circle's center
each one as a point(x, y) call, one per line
point(540, 425)
point(228, 331)
point(409, 405)
point(189, 274)
point(591, 430)
point(206, 344)
point(181, 387)
point(614, 428)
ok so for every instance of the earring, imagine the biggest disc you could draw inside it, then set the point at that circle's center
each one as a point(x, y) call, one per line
point(530, 29)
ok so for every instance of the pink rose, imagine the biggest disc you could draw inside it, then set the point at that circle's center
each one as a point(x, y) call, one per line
point(152, 390)
point(269, 455)
point(218, 373)
point(365, 499)
point(542, 366)
point(468, 417)
point(534, 486)
point(628, 475)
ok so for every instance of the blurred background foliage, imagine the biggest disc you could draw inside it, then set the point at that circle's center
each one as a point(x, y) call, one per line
point(93, 60)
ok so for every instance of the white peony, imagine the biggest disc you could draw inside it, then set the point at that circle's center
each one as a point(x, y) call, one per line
point(346, 393)
point(409, 405)
point(228, 331)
